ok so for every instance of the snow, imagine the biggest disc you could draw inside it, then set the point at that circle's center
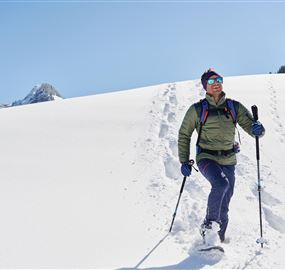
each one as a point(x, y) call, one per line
point(92, 182)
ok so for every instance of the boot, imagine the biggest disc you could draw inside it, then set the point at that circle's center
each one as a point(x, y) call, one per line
point(209, 232)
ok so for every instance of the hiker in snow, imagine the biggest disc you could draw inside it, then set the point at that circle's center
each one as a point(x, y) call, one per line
point(214, 119)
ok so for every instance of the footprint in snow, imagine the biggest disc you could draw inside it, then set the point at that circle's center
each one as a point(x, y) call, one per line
point(171, 117)
point(173, 145)
point(166, 108)
point(172, 167)
point(163, 129)
point(173, 100)
point(165, 92)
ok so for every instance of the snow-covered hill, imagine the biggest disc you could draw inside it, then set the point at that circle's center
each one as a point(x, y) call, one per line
point(93, 181)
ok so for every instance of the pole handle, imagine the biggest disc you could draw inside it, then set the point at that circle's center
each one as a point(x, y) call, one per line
point(192, 162)
point(254, 110)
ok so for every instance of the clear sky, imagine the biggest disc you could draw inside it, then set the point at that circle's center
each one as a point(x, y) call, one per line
point(88, 47)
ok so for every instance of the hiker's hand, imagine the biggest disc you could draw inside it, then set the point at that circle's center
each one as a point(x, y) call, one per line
point(186, 168)
point(257, 129)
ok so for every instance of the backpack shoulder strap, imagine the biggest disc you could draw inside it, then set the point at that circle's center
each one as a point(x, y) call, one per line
point(231, 106)
point(202, 108)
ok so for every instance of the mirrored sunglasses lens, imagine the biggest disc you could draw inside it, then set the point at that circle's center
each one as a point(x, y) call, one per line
point(211, 81)
point(219, 80)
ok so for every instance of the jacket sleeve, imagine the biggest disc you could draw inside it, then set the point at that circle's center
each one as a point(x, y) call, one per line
point(188, 125)
point(245, 119)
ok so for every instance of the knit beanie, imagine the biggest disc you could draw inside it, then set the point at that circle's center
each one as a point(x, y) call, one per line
point(206, 75)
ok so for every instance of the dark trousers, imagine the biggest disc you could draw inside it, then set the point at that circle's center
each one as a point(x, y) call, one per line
point(222, 180)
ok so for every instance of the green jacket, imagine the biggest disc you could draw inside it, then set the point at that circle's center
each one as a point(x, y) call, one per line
point(218, 132)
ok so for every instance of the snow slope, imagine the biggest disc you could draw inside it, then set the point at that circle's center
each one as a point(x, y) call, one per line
point(92, 182)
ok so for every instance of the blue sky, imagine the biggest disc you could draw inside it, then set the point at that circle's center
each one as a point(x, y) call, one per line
point(85, 48)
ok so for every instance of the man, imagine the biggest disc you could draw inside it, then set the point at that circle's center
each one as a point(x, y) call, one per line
point(216, 149)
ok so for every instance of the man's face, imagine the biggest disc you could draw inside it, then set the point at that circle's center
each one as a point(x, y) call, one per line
point(216, 88)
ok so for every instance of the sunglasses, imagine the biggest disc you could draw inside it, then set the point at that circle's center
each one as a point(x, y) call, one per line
point(218, 79)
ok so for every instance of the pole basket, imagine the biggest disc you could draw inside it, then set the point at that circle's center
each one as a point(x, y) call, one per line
point(262, 241)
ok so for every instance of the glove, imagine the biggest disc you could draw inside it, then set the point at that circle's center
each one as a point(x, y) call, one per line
point(257, 129)
point(186, 168)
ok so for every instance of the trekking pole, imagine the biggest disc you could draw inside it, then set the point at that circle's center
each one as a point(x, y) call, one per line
point(259, 188)
point(191, 162)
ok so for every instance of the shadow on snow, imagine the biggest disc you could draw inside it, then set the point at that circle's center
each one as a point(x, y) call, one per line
point(196, 259)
